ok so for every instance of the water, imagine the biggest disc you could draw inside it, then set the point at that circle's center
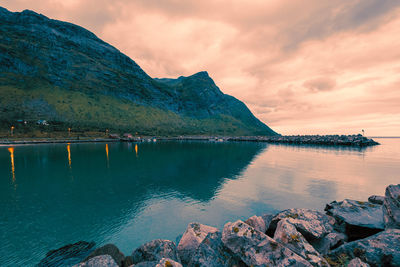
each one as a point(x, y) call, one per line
point(52, 195)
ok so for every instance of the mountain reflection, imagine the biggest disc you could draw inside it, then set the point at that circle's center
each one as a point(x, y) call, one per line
point(103, 196)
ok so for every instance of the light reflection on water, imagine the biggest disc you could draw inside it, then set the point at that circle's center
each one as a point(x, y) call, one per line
point(131, 199)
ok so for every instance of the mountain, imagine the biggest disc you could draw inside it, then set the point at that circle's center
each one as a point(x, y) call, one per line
point(61, 72)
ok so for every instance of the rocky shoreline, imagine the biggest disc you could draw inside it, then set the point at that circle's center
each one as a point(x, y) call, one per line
point(327, 140)
point(350, 233)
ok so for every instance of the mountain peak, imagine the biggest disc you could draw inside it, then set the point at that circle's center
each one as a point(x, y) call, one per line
point(202, 74)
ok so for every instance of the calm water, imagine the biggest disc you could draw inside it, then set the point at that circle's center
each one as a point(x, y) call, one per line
point(51, 195)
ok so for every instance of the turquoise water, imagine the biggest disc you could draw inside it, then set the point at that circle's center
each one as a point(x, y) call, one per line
point(52, 195)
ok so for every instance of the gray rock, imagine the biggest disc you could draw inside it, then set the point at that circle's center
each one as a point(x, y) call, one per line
point(191, 239)
point(313, 225)
point(256, 248)
point(376, 199)
point(267, 220)
point(168, 263)
point(257, 223)
point(356, 262)
point(155, 250)
point(68, 255)
point(382, 249)
point(361, 219)
point(128, 261)
point(146, 264)
point(109, 249)
point(287, 235)
point(329, 242)
point(99, 261)
point(391, 207)
point(212, 253)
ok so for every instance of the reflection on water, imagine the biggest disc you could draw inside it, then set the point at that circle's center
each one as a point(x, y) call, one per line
point(129, 200)
point(108, 161)
point(69, 154)
point(11, 150)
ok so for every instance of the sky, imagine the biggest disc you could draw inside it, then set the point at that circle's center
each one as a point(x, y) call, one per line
point(302, 67)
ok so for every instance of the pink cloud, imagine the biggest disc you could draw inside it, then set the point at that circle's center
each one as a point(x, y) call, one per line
point(273, 55)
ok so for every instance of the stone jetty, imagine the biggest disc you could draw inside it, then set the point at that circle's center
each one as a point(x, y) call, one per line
point(349, 233)
point(325, 140)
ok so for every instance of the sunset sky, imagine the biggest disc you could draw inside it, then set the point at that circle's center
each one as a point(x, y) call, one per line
point(302, 67)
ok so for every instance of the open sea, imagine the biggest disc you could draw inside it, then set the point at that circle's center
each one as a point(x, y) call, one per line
point(128, 194)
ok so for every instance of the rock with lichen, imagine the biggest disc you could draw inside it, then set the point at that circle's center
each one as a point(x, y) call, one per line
point(382, 249)
point(361, 219)
point(154, 251)
point(256, 248)
point(356, 262)
point(376, 199)
point(108, 249)
point(391, 207)
point(212, 253)
point(288, 235)
point(165, 262)
point(99, 261)
point(313, 225)
point(329, 242)
point(191, 239)
point(257, 222)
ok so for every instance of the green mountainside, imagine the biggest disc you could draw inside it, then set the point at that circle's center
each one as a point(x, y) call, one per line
point(60, 72)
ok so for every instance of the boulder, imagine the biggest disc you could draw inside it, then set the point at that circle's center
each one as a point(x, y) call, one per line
point(313, 225)
point(256, 248)
point(98, 261)
point(257, 223)
point(376, 199)
point(329, 242)
point(128, 261)
point(145, 264)
point(109, 249)
point(168, 263)
point(356, 262)
point(287, 235)
point(361, 219)
point(212, 253)
point(68, 255)
point(191, 239)
point(391, 207)
point(382, 249)
point(267, 220)
point(155, 250)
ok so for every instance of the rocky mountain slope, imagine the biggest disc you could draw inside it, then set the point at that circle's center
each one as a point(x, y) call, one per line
point(60, 72)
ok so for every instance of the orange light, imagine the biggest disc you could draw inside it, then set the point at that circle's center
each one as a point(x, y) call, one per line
point(11, 150)
point(107, 155)
point(136, 149)
point(69, 154)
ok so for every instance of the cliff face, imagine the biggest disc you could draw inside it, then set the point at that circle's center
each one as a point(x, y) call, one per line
point(61, 72)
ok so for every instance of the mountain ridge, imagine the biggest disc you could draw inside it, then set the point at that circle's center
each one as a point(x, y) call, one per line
point(61, 72)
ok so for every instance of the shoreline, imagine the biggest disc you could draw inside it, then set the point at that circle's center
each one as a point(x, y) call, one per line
point(326, 140)
point(349, 233)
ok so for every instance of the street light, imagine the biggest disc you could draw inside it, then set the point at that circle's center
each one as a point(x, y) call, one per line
point(12, 130)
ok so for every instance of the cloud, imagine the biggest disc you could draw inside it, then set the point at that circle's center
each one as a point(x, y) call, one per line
point(306, 66)
point(320, 84)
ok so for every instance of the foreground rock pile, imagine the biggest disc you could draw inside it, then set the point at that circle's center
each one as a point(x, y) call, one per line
point(350, 233)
